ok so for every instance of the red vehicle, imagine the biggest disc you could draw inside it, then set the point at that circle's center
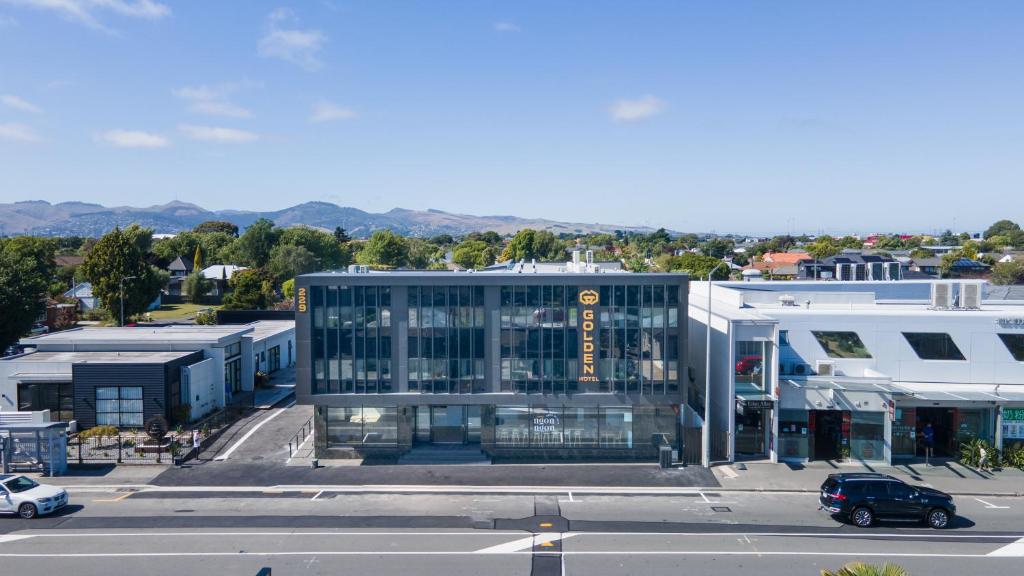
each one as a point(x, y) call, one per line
point(748, 364)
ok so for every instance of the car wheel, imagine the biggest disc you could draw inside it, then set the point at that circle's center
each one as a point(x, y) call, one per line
point(862, 517)
point(938, 518)
point(27, 511)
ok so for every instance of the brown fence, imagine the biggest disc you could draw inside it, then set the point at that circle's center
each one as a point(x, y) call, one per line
point(694, 444)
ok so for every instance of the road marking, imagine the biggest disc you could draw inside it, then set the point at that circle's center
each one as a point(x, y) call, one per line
point(706, 501)
point(729, 472)
point(14, 537)
point(242, 440)
point(543, 539)
point(118, 499)
point(317, 495)
point(991, 505)
point(1015, 549)
point(299, 447)
point(570, 497)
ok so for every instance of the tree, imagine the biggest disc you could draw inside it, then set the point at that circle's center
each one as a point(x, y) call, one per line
point(491, 237)
point(474, 254)
point(253, 248)
point(197, 259)
point(327, 252)
point(823, 247)
point(117, 256)
point(251, 289)
point(717, 248)
point(422, 253)
point(384, 249)
point(341, 236)
point(218, 226)
point(288, 261)
point(196, 286)
point(1001, 228)
point(530, 244)
point(861, 569)
point(1005, 273)
point(442, 240)
point(26, 266)
point(698, 266)
point(288, 289)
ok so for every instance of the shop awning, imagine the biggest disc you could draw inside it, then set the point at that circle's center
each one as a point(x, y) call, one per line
point(941, 392)
point(40, 377)
point(847, 384)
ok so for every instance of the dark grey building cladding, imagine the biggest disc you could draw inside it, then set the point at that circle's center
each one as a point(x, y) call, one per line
point(399, 359)
point(158, 380)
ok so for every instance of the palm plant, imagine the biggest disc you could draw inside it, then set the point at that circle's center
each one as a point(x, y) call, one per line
point(862, 569)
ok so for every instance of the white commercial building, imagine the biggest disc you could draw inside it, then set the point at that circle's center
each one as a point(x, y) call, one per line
point(834, 370)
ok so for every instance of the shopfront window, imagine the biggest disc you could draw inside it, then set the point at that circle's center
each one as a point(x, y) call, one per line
point(867, 436)
point(581, 427)
point(366, 425)
point(512, 426)
point(793, 435)
point(842, 344)
point(616, 428)
point(904, 433)
point(57, 397)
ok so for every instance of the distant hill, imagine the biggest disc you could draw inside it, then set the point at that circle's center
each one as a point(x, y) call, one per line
point(82, 219)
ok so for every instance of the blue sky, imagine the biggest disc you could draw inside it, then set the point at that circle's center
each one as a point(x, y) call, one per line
point(754, 117)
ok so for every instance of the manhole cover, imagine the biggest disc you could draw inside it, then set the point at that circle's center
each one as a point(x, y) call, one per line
point(721, 509)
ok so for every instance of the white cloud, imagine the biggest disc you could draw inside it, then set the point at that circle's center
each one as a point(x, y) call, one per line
point(637, 109)
point(212, 100)
point(132, 139)
point(84, 11)
point(505, 27)
point(286, 42)
point(18, 104)
point(18, 133)
point(217, 134)
point(325, 112)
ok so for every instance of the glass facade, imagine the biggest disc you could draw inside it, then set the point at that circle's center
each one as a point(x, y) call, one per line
point(351, 339)
point(446, 339)
point(57, 397)
point(566, 427)
point(751, 375)
point(637, 340)
point(362, 425)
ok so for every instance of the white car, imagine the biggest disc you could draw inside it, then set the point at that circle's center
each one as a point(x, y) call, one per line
point(27, 498)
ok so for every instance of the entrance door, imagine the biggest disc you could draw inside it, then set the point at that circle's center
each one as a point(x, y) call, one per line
point(448, 424)
point(943, 421)
point(828, 433)
point(750, 432)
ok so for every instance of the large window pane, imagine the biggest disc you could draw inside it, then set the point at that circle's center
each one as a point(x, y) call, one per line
point(1015, 344)
point(546, 430)
point(512, 426)
point(933, 346)
point(616, 427)
point(581, 427)
point(867, 436)
point(380, 426)
point(842, 344)
point(344, 426)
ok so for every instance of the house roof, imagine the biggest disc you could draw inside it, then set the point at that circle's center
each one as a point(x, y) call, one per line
point(221, 271)
point(180, 264)
point(783, 258)
point(69, 260)
point(81, 290)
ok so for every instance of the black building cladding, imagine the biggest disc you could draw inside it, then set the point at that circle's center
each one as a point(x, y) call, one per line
point(555, 364)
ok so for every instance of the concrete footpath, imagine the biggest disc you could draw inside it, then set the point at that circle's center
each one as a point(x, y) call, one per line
point(950, 477)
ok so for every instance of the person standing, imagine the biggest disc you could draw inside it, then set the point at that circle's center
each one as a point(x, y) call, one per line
point(196, 442)
point(929, 441)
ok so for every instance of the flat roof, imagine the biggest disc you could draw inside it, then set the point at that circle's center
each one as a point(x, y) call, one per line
point(208, 335)
point(263, 329)
point(99, 357)
point(490, 278)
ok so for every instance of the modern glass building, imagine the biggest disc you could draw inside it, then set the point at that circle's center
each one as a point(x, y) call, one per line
point(561, 365)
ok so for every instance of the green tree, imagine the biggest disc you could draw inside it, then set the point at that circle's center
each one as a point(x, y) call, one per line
point(474, 254)
point(341, 236)
point(217, 226)
point(1001, 228)
point(698, 266)
point(288, 261)
point(197, 259)
point(491, 237)
point(288, 289)
point(423, 254)
point(253, 248)
point(529, 244)
point(251, 289)
point(862, 569)
point(823, 247)
point(717, 248)
point(26, 266)
point(1005, 273)
point(196, 286)
point(117, 256)
point(327, 252)
point(442, 240)
point(384, 249)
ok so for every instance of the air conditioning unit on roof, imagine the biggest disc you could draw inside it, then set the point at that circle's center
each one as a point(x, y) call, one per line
point(970, 296)
point(942, 295)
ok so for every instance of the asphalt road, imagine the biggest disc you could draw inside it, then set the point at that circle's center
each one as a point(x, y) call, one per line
point(212, 530)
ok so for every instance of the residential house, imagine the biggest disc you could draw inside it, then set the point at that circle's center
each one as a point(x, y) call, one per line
point(179, 269)
point(851, 265)
point(779, 265)
point(219, 275)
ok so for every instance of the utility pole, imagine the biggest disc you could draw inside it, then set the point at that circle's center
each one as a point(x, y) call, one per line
point(706, 431)
point(120, 284)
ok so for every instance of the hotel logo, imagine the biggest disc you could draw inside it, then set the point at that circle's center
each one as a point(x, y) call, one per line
point(589, 299)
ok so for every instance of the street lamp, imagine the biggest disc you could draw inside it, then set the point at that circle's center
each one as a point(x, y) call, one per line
point(706, 432)
point(120, 284)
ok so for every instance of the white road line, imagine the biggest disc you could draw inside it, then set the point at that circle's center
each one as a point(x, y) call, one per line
point(277, 533)
point(570, 497)
point(242, 440)
point(822, 535)
point(14, 537)
point(1015, 549)
point(729, 472)
point(317, 495)
point(706, 501)
point(299, 447)
point(524, 543)
point(991, 505)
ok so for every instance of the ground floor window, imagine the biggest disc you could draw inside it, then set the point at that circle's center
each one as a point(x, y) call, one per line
point(557, 427)
point(362, 425)
point(57, 397)
point(275, 360)
point(119, 406)
point(794, 438)
point(233, 375)
point(867, 436)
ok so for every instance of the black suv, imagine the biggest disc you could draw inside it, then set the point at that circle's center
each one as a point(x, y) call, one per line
point(864, 497)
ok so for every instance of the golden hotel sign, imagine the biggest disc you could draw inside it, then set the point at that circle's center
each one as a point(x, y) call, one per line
point(589, 302)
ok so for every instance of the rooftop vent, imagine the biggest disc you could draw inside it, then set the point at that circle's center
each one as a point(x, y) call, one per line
point(787, 300)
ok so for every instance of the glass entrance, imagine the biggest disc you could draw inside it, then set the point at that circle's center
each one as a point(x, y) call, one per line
point(448, 424)
point(751, 429)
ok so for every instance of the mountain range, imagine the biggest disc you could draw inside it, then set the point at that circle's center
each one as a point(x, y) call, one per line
point(42, 218)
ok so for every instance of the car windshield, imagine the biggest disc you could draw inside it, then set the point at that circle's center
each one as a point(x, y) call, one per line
point(20, 484)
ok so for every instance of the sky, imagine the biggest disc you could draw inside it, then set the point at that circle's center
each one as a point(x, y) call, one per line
point(743, 116)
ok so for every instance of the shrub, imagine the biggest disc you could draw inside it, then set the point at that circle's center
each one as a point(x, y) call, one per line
point(970, 454)
point(182, 414)
point(206, 318)
point(862, 569)
point(100, 432)
point(1014, 457)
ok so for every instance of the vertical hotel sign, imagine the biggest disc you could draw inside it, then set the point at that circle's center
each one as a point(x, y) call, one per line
point(588, 314)
point(301, 300)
